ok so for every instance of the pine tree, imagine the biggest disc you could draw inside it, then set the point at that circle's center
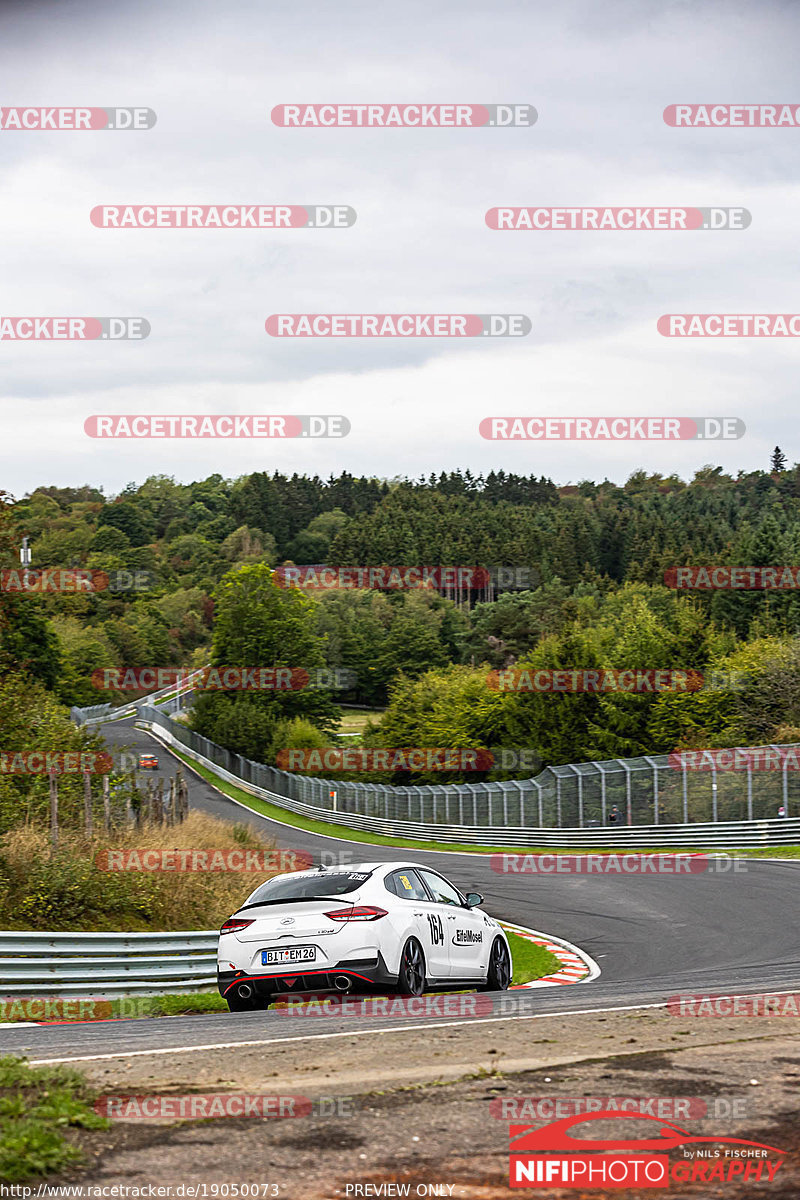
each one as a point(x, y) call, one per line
point(778, 460)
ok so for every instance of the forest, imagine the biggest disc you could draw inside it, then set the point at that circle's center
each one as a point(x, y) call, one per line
point(592, 590)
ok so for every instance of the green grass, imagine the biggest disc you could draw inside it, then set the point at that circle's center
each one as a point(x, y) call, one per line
point(530, 961)
point(37, 1104)
point(329, 829)
point(354, 720)
point(180, 1005)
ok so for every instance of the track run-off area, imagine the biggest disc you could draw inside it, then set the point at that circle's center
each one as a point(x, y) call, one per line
point(653, 936)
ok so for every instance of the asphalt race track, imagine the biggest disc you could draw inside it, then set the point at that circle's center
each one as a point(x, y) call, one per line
point(652, 935)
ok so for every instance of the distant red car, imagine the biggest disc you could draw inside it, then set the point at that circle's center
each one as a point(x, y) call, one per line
point(148, 762)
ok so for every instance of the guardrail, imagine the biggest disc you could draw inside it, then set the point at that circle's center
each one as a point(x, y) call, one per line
point(106, 965)
point(99, 714)
point(716, 835)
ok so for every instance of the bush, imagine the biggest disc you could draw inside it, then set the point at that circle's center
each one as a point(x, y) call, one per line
point(45, 890)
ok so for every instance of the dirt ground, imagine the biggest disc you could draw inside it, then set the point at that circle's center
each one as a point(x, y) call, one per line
point(425, 1108)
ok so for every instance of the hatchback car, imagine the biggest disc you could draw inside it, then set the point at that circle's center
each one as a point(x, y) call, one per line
point(394, 926)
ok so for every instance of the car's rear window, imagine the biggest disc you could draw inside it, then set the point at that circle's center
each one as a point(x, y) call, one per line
point(326, 883)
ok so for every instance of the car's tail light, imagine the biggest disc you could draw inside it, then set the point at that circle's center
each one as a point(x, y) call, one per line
point(234, 925)
point(358, 912)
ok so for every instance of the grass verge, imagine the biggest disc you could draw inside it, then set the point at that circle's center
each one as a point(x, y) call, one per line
point(327, 829)
point(41, 1111)
point(530, 960)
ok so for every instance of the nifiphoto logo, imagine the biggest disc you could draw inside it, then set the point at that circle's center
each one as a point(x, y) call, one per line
point(553, 1156)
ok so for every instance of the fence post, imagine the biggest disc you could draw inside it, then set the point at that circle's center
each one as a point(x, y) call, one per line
point(87, 803)
point(558, 800)
point(53, 810)
point(749, 790)
point(106, 805)
point(685, 795)
point(654, 769)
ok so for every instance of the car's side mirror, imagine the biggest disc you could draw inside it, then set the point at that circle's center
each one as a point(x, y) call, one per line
point(474, 899)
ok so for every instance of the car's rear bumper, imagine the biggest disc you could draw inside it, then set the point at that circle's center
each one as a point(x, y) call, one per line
point(363, 976)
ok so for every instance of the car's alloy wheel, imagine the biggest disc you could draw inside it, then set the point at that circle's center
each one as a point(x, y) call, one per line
point(411, 979)
point(498, 977)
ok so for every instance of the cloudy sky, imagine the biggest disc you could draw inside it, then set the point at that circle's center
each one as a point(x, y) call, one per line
point(599, 75)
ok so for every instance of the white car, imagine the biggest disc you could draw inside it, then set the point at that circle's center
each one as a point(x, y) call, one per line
point(379, 927)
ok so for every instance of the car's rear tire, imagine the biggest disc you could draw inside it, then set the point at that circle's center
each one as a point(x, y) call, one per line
point(411, 976)
point(498, 975)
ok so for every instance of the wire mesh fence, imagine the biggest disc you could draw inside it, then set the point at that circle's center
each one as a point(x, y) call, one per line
point(650, 790)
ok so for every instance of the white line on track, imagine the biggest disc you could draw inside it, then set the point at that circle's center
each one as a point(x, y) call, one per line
point(316, 1037)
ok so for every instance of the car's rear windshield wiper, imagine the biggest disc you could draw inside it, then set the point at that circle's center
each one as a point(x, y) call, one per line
point(291, 900)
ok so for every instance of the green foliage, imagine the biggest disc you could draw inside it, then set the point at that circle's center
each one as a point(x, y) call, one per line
point(260, 624)
point(36, 1106)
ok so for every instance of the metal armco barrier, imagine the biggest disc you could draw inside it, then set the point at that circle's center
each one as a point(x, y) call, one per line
point(715, 835)
point(106, 965)
point(99, 714)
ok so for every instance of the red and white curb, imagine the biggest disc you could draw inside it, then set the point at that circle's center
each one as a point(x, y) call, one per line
point(576, 965)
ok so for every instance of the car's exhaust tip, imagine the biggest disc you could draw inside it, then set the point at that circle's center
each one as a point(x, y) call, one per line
point(342, 983)
point(245, 990)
